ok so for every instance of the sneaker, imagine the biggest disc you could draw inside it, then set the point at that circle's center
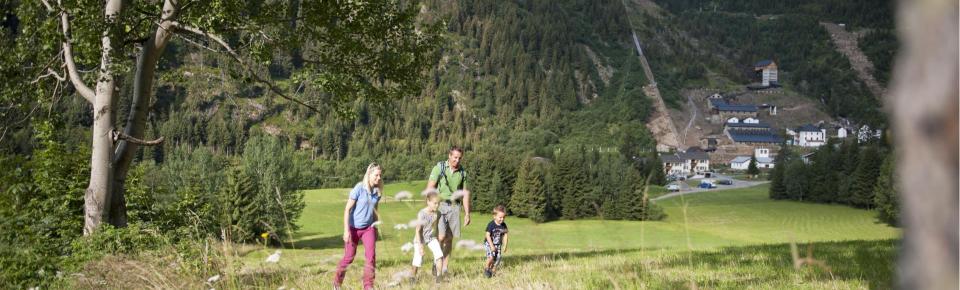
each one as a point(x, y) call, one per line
point(439, 278)
point(487, 273)
point(336, 286)
point(413, 280)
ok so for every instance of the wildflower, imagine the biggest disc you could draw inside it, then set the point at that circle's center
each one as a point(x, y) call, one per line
point(265, 235)
point(215, 278)
point(403, 195)
point(399, 277)
point(401, 227)
point(466, 244)
point(458, 194)
point(414, 223)
point(274, 258)
point(407, 247)
point(428, 191)
point(470, 245)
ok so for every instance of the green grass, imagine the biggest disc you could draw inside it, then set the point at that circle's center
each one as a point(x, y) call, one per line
point(737, 239)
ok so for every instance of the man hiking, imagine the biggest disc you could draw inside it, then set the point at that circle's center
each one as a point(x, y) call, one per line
point(450, 180)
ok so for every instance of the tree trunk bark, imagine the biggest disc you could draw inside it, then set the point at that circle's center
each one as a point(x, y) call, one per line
point(97, 198)
point(925, 111)
point(137, 120)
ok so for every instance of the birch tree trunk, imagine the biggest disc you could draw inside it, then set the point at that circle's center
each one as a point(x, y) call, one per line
point(97, 196)
point(925, 122)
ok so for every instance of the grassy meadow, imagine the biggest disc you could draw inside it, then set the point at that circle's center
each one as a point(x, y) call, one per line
point(730, 239)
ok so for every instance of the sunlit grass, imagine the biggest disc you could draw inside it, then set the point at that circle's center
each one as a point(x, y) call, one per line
point(737, 239)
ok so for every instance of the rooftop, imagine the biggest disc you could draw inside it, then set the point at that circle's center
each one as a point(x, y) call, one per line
point(754, 138)
point(808, 128)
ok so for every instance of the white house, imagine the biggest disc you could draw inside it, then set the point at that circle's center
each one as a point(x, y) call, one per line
point(686, 163)
point(842, 133)
point(810, 136)
point(763, 160)
point(750, 120)
point(733, 120)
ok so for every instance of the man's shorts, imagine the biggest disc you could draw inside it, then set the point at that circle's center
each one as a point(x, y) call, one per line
point(449, 218)
point(434, 247)
point(493, 252)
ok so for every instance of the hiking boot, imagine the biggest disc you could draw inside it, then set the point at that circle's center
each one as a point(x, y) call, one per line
point(434, 270)
point(439, 278)
point(487, 273)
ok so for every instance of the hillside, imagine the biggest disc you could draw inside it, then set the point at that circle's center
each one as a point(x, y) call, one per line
point(514, 79)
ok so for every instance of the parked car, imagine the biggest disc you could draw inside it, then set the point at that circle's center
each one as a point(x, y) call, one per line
point(673, 187)
point(725, 182)
point(707, 185)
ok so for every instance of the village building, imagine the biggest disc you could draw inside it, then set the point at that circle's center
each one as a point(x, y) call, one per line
point(809, 136)
point(686, 163)
point(727, 110)
point(763, 160)
point(766, 70)
point(756, 133)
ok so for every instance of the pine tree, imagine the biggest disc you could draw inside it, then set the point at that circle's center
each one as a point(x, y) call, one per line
point(864, 178)
point(653, 169)
point(886, 196)
point(778, 186)
point(823, 174)
point(572, 183)
point(634, 203)
point(529, 197)
point(752, 169)
point(850, 157)
point(236, 206)
point(797, 181)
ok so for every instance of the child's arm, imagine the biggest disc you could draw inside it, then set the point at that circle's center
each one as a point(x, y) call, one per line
point(418, 232)
point(489, 240)
point(506, 238)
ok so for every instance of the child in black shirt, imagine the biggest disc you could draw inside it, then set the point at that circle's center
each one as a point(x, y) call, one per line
point(495, 242)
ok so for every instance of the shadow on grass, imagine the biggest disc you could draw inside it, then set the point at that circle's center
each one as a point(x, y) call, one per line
point(319, 243)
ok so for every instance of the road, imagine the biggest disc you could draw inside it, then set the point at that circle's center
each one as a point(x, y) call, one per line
point(736, 184)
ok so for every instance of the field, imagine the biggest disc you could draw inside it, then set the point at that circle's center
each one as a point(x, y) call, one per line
point(718, 239)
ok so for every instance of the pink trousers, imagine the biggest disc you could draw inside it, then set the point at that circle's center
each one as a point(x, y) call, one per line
point(368, 236)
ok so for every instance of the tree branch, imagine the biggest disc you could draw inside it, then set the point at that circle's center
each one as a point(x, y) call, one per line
point(273, 87)
point(117, 135)
point(47, 4)
point(50, 72)
point(75, 78)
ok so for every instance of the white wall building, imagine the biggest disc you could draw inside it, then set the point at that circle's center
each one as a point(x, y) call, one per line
point(763, 160)
point(810, 136)
point(686, 163)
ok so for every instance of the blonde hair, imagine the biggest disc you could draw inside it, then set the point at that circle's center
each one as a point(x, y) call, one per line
point(431, 196)
point(366, 178)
